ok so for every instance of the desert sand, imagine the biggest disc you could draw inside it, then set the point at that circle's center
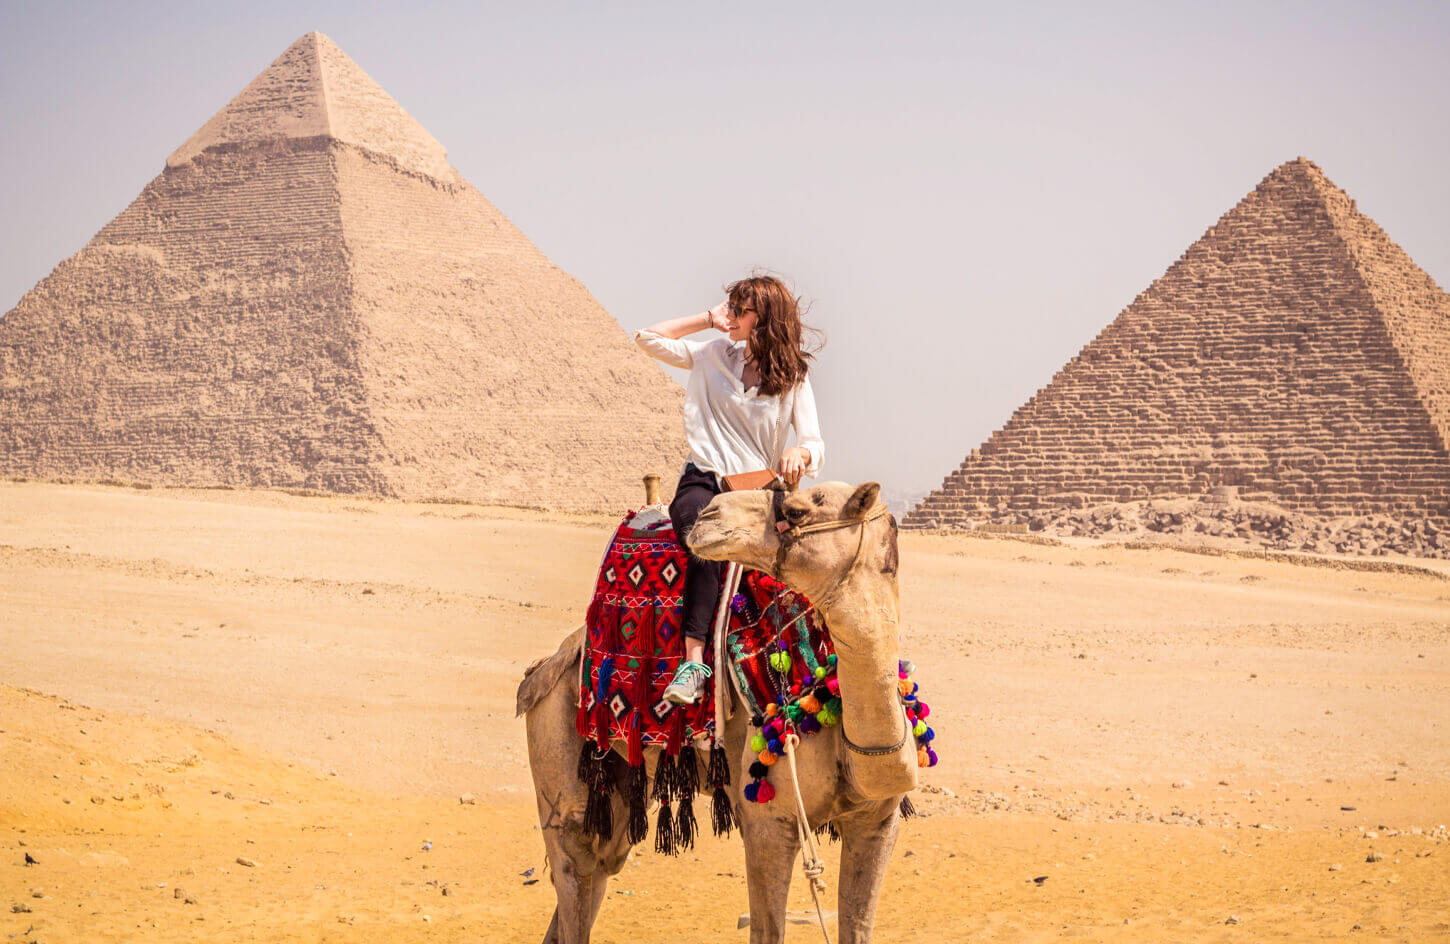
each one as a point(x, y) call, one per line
point(1137, 744)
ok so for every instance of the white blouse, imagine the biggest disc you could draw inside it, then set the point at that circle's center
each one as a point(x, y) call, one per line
point(731, 429)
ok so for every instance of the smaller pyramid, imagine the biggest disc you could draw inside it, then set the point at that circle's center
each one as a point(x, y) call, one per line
point(1294, 353)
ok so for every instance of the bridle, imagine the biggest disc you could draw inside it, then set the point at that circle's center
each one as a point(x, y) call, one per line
point(790, 535)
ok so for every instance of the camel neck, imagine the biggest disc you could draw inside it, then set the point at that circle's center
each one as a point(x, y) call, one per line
point(864, 620)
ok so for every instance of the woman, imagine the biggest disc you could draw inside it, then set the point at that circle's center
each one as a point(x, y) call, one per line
point(745, 392)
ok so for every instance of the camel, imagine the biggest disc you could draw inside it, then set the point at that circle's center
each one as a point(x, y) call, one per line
point(834, 544)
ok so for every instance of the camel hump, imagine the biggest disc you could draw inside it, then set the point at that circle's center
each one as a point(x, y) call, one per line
point(541, 677)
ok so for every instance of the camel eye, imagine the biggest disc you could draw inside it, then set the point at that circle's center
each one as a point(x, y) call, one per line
point(794, 513)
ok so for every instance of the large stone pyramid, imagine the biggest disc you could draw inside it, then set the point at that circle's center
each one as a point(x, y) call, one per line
point(1294, 352)
point(310, 296)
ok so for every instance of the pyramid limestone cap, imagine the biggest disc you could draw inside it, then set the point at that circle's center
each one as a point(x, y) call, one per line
point(314, 90)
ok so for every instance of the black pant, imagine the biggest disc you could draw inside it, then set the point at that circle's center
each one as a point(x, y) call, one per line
point(702, 577)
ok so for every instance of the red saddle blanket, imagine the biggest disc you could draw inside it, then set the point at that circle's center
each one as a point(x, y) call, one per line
point(635, 643)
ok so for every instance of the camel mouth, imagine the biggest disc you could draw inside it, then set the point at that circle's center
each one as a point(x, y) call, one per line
point(715, 543)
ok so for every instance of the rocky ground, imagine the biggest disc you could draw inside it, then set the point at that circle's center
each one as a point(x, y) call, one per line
point(1227, 524)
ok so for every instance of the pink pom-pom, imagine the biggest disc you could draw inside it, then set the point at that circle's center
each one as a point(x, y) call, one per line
point(834, 685)
point(766, 793)
point(922, 709)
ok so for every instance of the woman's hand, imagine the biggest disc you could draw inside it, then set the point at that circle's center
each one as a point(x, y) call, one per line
point(793, 464)
point(719, 317)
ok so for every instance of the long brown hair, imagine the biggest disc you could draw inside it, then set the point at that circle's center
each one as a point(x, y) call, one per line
point(775, 344)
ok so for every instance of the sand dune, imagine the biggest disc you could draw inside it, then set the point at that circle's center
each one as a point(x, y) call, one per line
point(311, 684)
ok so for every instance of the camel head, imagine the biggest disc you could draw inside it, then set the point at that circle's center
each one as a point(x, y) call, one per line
point(812, 540)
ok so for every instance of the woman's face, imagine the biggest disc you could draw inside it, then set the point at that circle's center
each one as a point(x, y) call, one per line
point(742, 322)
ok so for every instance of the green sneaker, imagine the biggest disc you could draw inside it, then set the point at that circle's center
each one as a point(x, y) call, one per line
point(688, 685)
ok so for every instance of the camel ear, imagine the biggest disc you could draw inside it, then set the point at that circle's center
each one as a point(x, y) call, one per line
point(862, 500)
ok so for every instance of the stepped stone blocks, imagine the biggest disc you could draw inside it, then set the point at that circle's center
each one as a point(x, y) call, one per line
point(1294, 352)
point(310, 296)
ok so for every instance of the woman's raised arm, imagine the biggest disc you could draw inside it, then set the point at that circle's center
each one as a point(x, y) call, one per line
point(663, 340)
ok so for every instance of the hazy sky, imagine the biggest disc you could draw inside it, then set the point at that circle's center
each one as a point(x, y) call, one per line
point(968, 193)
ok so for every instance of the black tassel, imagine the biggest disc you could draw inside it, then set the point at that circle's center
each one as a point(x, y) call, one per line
point(664, 787)
point(833, 832)
point(687, 774)
point(599, 813)
point(719, 772)
point(722, 814)
point(685, 825)
point(665, 832)
point(586, 766)
point(907, 809)
point(638, 817)
point(597, 773)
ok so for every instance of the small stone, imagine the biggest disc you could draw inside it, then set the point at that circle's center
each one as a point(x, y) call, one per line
point(1335, 867)
point(1349, 809)
point(1231, 919)
point(1040, 879)
point(468, 799)
point(178, 893)
point(1182, 784)
point(189, 900)
point(1370, 834)
point(1374, 857)
point(20, 907)
point(37, 893)
point(249, 863)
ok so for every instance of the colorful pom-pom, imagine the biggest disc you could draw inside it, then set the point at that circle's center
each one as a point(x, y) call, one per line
point(820, 672)
point(752, 792)
point(766, 758)
point(757, 743)
point(922, 759)
point(758, 771)
point(928, 735)
point(780, 661)
point(919, 729)
point(922, 709)
point(835, 705)
point(770, 710)
point(904, 687)
point(811, 704)
point(809, 725)
point(833, 685)
point(766, 792)
point(757, 720)
point(822, 693)
point(931, 756)
point(773, 745)
point(831, 659)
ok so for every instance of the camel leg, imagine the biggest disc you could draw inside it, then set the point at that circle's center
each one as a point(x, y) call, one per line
point(579, 865)
point(867, 838)
point(771, 847)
